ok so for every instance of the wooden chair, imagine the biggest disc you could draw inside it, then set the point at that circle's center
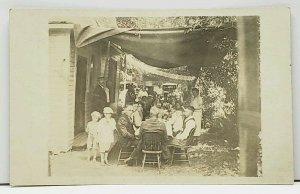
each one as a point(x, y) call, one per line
point(152, 146)
point(182, 151)
point(125, 151)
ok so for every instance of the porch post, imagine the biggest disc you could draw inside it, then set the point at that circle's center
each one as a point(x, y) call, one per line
point(249, 94)
point(107, 60)
point(119, 63)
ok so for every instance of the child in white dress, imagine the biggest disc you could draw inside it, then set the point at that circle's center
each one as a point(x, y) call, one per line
point(92, 140)
point(107, 125)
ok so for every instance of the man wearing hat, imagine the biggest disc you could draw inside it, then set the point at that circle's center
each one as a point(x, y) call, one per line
point(189, 127)
point(99, 96)
point(189, 123)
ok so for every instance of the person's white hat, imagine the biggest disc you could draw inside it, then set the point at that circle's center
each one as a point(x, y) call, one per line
point(108, 110)
point(95, 113)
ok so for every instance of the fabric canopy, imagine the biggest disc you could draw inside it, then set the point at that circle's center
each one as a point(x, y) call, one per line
point(165, 48)
point(146, 69)
point(87, 35)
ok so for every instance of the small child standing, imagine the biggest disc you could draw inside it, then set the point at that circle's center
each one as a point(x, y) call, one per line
point(107, 125)
point(92, 140)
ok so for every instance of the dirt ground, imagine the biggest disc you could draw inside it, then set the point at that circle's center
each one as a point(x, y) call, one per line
point(214, 162)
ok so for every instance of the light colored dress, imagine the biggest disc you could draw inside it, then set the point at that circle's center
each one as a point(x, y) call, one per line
point(106, 133)
point(92, 130)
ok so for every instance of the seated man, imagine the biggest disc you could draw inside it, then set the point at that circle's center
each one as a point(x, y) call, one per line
point(125, 128)
point(152, 124)
point(189, 126)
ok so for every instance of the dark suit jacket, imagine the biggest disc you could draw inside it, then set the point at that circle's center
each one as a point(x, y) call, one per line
point(125, 130)
point(99, 99)
point(153, 124)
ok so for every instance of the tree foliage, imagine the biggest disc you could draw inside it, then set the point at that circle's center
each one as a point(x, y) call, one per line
point(218, 82)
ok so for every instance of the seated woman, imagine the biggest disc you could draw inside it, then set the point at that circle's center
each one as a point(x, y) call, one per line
point(161, 111)
point(177, 119)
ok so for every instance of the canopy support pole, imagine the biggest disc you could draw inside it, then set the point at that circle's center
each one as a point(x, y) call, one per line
point(249, 120)
point(107, 60)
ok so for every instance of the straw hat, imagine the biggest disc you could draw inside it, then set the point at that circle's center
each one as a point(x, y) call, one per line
point(108, 110)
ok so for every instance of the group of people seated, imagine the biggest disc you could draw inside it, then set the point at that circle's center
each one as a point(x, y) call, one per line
point(139, 113)
point(170, 137)
point(174, 124)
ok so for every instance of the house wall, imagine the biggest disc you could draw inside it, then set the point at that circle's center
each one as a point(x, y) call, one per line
point(61, 69)
point(71, 86)
point(63, 56)
point(62, 83)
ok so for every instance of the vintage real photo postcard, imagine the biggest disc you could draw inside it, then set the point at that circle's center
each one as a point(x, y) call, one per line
point(150, 97)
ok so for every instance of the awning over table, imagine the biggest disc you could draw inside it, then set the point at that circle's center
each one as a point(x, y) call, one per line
point(87, 35)
point(164, 48)
point(131, 61)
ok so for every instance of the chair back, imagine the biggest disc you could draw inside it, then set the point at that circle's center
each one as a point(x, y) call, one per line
point(191, 138)
point(192, 132)
point(152, 141)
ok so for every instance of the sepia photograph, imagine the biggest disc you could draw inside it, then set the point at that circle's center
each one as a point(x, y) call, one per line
point(156, 96)
point(150, 97)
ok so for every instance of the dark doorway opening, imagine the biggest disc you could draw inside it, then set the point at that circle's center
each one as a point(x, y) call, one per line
point(111, 84)
point(80, 95)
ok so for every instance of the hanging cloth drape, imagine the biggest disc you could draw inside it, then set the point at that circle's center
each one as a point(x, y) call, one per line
point(165, 48)
point(132, 62)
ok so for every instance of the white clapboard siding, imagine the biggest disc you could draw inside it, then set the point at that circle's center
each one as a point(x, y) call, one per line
point(63, 56)
point(71, 90)
point(60, 102)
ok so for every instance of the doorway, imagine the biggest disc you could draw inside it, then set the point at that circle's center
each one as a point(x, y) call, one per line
point(112, 76)
point(80, 95)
